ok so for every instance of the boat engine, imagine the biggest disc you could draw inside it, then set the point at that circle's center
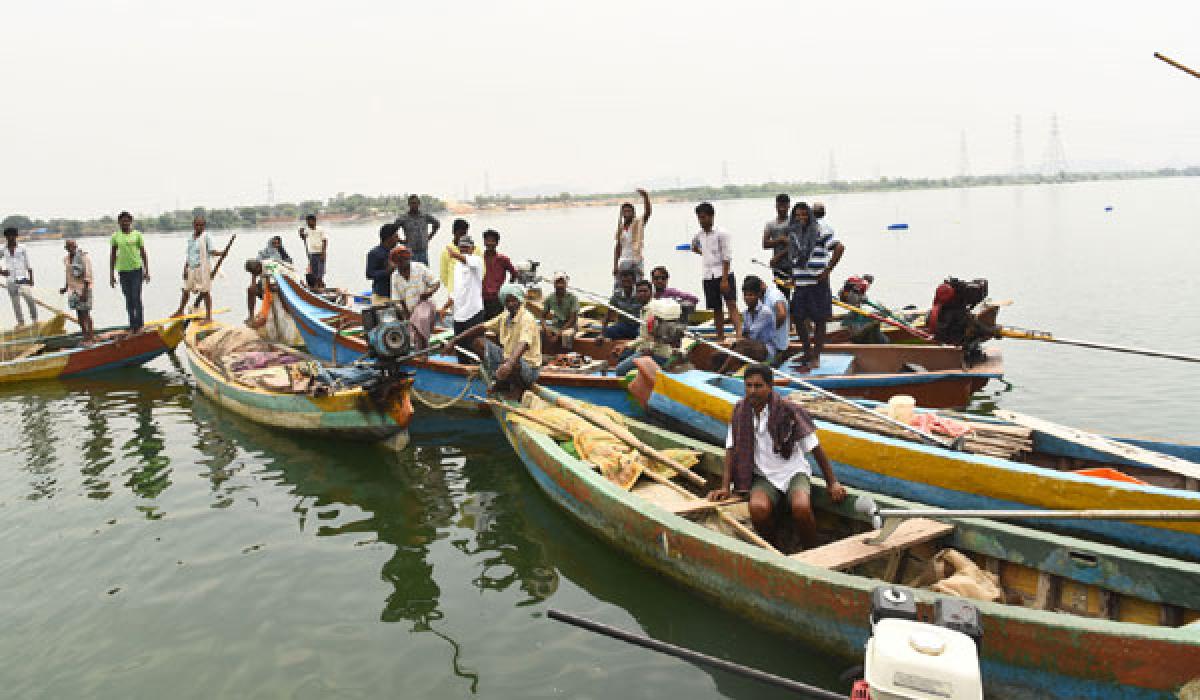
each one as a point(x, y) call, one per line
point(907, 659)
point(854, 289)
point(952, 321)
point(388, 335)
point(527, 272)
point(665, 321)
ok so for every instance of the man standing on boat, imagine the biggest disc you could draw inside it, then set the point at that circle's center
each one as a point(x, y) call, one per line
point(467, 301)
point(814, 253)
point(78, 287)
point(446, 267)
point(128, 261)
point(765, 456)
point(419, 229)
point(197, 273)
point(317, 245)
point(631, 239)
point(775, 239)
point(497, 270)
point(514, 364)
point(379, 266)
point(18, 276)
point(413, 285)
point(716, 255)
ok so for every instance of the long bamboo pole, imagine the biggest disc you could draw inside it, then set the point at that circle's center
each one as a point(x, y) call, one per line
point(1177, 64)
point(1048, 337)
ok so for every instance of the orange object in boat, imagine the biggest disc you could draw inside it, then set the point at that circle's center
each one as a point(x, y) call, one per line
point(1109, 473)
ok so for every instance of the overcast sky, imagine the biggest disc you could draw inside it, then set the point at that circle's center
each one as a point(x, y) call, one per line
point(141, 105)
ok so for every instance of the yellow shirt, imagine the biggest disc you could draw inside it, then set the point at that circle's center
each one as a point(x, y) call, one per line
point(512, 330)
point(446, 271)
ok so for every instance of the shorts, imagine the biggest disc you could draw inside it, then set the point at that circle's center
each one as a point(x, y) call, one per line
point(78, 304)
point(800, 483)
point(713, 295)
point(812, 302)
point(196, 281)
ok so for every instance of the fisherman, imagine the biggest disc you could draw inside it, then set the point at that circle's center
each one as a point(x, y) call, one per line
point(274, 251)
point(560, 313)
point(256, 290)
point(716, 255)
point(860, 327)
point(660, 278)
point(765, 455)
point(446, 270)
point(379, 265)
point(18, 276)
point(514, 364)
point(128, 261)
point(318, 246)
point(814, 253)
point(631, 238)
point(619, 326)
point(497, 269)
point(775, 239)
point(765, 329)
point(467, 301)
point(663, 353)
point(412, 287)
point(419, 229)
point(197, 273)
point(78, 287)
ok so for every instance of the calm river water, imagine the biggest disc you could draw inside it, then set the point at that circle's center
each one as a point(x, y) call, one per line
point(155, 545)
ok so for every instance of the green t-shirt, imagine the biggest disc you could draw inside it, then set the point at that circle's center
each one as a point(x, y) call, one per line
point(129, 250)
point(562, 311)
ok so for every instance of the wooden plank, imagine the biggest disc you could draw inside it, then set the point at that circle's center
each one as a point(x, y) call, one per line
point(30, 351)
point(1048, 591)
point(1139, 455)
point(854, 550)
point(703, 505)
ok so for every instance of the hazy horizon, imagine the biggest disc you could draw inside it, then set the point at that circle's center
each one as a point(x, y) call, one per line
point(148, 107)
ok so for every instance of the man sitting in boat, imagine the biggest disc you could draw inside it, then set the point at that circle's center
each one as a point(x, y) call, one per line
point(514, 364)
point(765, 456)
point(413, 287)
point(560, 314)
point(630, 300)
point(274, 250)
point(862, 329)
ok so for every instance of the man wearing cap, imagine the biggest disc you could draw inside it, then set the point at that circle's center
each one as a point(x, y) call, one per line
point(78, 287)
point(467, 301)
point(560, 314)
point(413, 285)
point(446, 265)
point(514, 364)
point(379, 266)
point(419, 228)
point(317, 246)
point(18, 275)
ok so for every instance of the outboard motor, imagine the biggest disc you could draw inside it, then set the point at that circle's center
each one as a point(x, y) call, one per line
point(951, 319)
point(854, 289)
point(911, 660)
point(388, 335)
point(527, 272)
point(665, 321)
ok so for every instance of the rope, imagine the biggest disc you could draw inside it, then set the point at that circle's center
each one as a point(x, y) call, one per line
point(431, 404)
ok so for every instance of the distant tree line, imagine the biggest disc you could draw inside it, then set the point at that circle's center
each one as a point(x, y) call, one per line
point(341, 206)
point(883, 184)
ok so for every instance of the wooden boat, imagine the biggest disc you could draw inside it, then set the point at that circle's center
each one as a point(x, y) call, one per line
point(347, 408)
point(1164, 476)
point(332, 333)
point(51, 326)
point(933, 374)
point(61, 356)
point(1083, 620)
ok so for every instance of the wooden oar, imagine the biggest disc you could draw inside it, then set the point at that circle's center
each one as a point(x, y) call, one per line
point(184, 317)
point(55, 309)
point(1093, 514)
point(920, 434)
point(621, 432)
point(1048, 337)
point(883, 319)
point(1177, 64)
point(216, 268)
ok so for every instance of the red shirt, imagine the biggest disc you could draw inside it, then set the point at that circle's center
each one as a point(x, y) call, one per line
point(494, 267)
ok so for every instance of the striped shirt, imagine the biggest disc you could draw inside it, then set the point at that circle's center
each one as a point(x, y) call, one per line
point(805, 274)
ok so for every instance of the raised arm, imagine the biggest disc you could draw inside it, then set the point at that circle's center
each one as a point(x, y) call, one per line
point(647, 209)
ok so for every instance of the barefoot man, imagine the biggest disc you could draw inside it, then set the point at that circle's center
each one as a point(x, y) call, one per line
point(197, 273)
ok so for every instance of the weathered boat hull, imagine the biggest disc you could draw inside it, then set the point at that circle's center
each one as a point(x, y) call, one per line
point(438, 380)
point(126, 351)
point(701, 404)
point(51, 326)
point(347, 415)
point(1025, 653)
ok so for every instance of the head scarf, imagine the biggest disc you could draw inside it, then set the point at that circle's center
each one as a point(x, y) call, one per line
point(515, 290)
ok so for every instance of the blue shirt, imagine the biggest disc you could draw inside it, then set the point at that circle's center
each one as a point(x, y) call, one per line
point(377, 271)
point(760, 323)
point(806, 273)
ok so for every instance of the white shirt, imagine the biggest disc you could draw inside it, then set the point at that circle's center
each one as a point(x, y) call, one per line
point(16, 262)
point(468, 288)
point(715, 250)
point(316, 240)
point(772, 467)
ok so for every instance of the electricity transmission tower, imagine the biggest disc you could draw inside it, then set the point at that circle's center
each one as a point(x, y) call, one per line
point(1055, 162)
point(833, 173)
point(964, 163)
point(1018, 166)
